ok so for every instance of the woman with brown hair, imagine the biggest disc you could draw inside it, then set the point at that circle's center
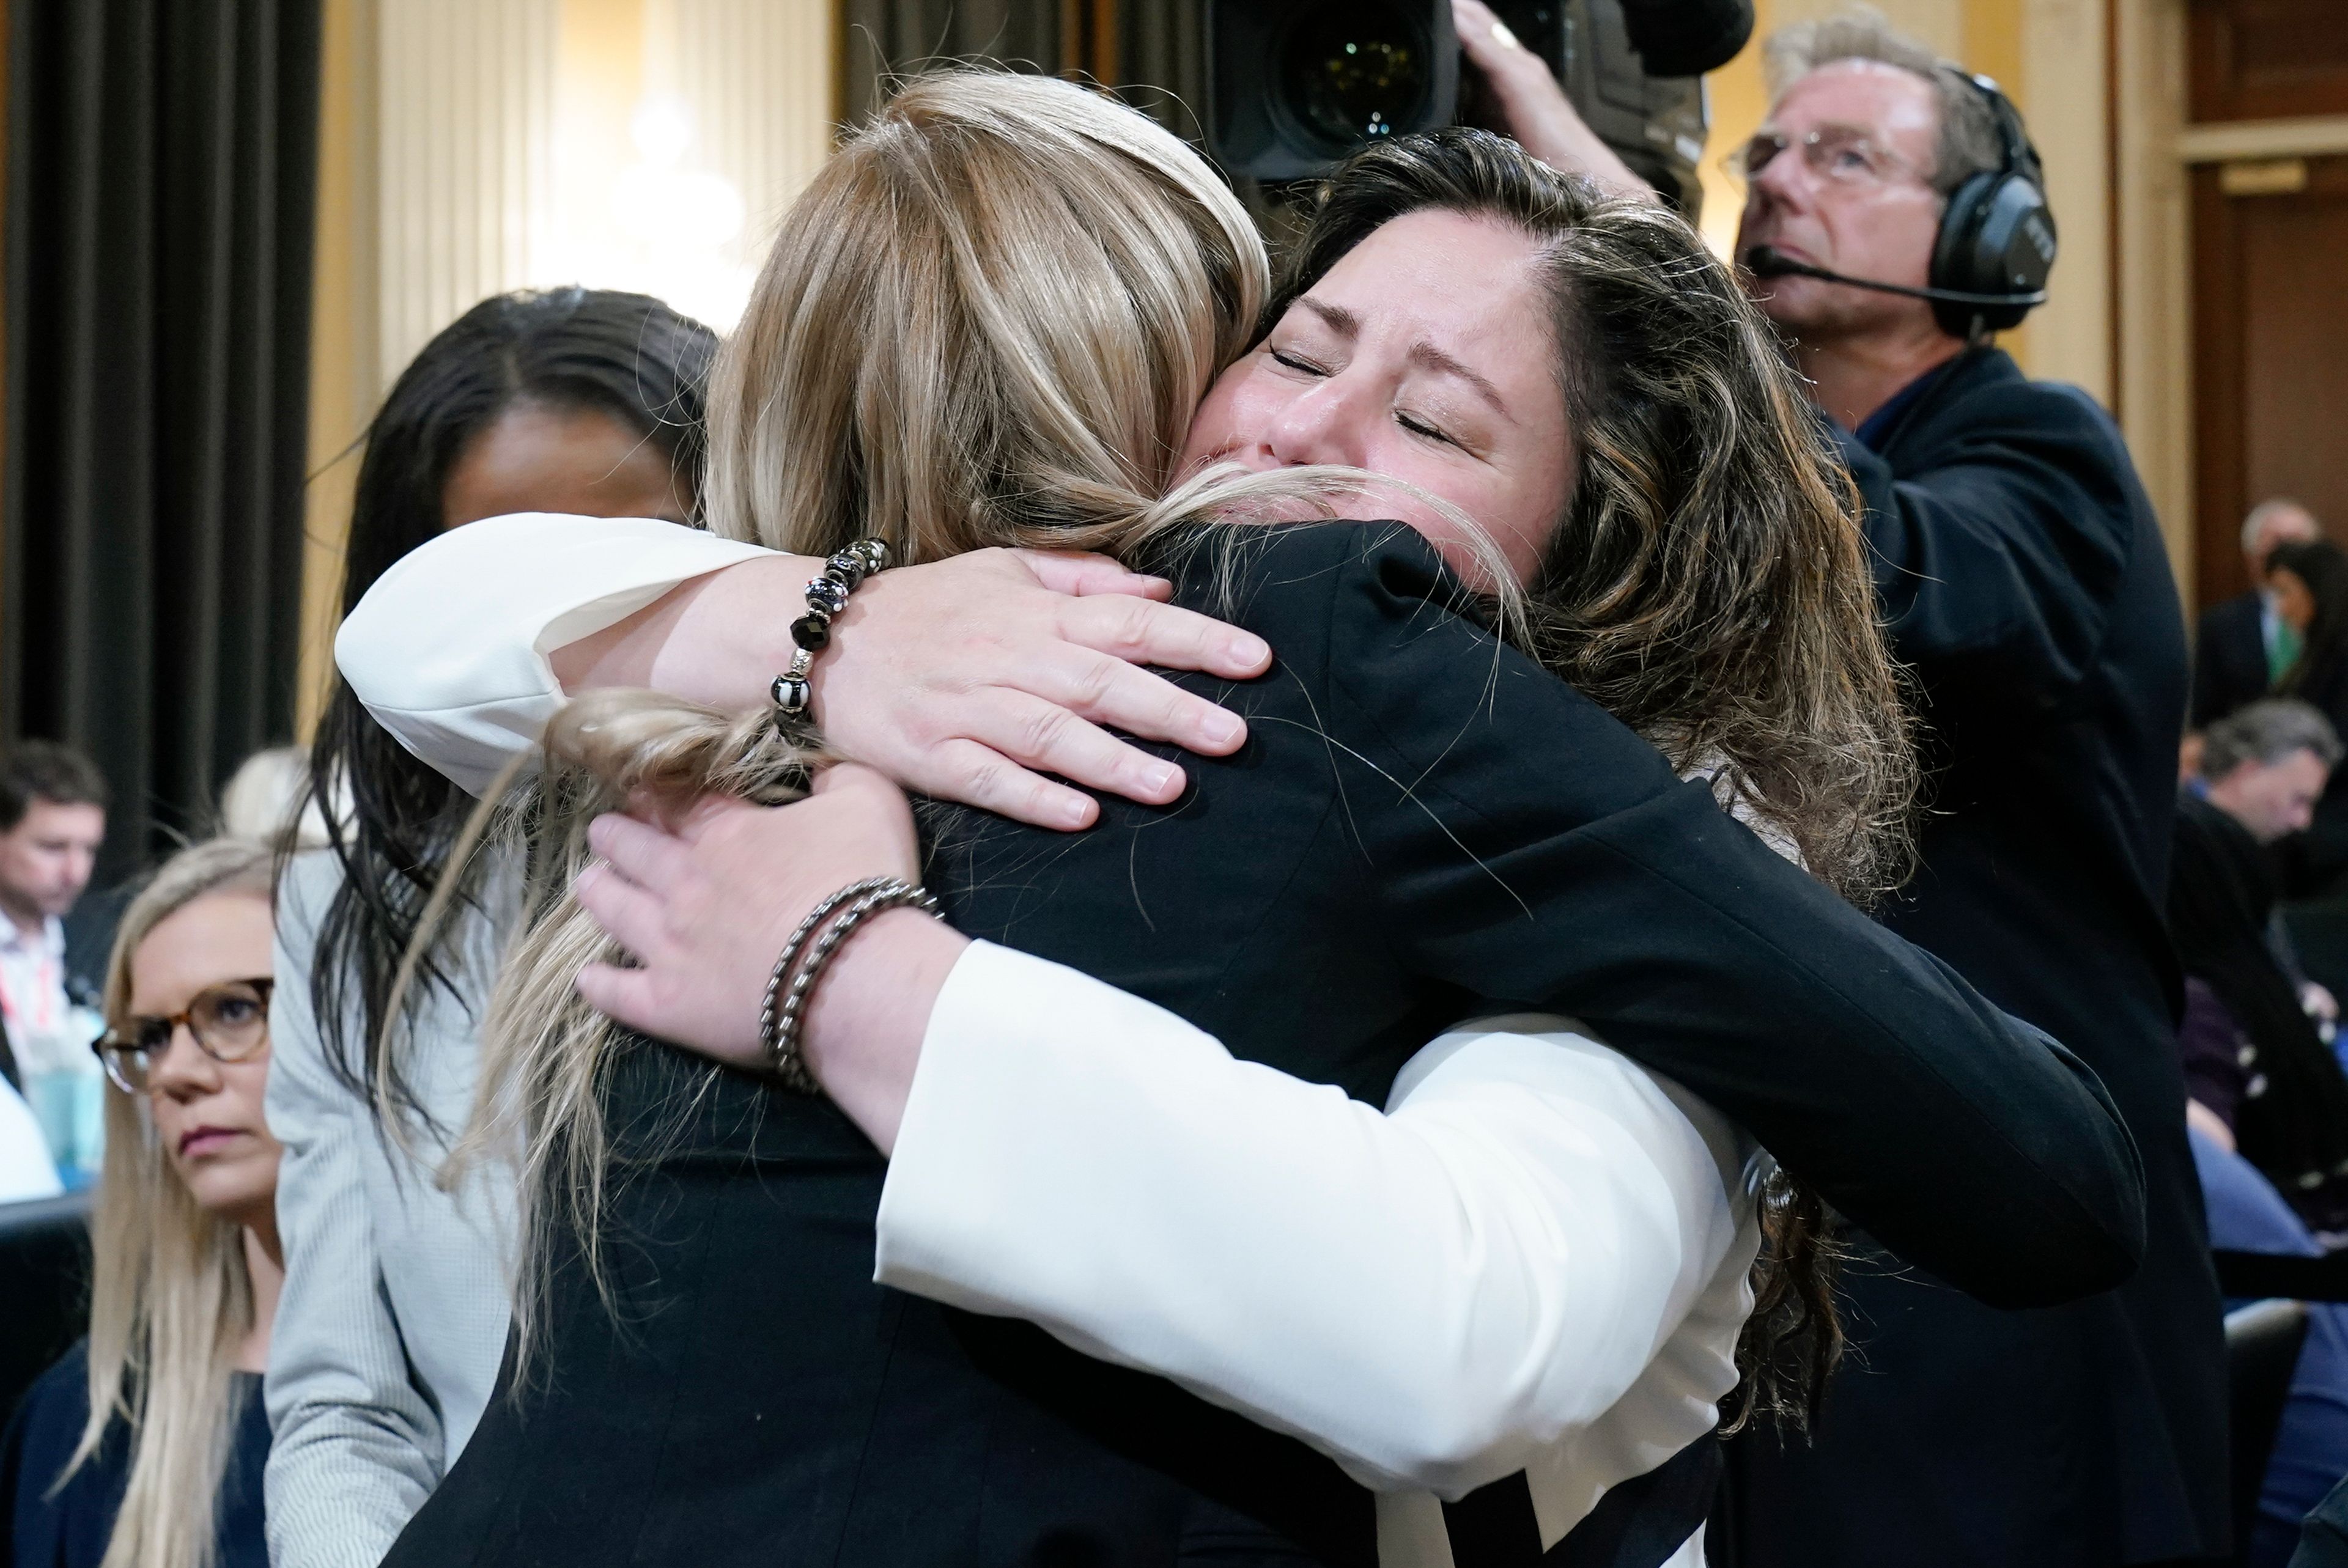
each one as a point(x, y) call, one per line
point(922, 386)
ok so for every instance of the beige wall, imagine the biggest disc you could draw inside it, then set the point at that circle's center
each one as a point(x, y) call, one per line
point(344, 379)
point(471, 146)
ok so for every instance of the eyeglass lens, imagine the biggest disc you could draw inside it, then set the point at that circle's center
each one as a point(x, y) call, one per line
point(1836, 154)
point(229, 1023)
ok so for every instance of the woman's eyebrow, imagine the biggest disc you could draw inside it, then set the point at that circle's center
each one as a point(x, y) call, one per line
point(1336, 318)
point(1346, 325)
point(1426, 353)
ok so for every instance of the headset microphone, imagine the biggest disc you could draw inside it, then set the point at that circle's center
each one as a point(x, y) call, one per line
point(1766, 262)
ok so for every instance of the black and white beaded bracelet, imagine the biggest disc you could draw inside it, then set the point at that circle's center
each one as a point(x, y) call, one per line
point(827, 596)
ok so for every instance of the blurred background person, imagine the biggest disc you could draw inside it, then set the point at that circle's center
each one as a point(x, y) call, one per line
point(574, 401)
point(2308, 582)
point(2267, 1116)
point(2244, 646)
point(268, 800)
point(2253, 1052)
point(143, 1447)
point(53, 804)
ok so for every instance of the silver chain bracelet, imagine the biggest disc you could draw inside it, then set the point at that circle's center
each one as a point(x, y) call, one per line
point(793, 982)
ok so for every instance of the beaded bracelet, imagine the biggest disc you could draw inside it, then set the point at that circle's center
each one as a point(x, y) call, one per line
point(785, 1009)
point(827, 596)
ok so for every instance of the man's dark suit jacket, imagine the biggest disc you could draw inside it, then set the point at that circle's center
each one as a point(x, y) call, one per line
point(2027, 585)
point(2229, 658)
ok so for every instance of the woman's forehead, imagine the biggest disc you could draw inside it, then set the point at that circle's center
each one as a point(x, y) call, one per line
point(218, 937)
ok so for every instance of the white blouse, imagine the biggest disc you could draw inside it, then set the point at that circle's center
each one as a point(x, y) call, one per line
point(1535, 1258)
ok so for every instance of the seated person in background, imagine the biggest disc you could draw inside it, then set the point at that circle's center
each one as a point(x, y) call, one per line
point(2310, 1452)
point(143, 1446)
point(2271, 770)
point(2244, 646)
point(269, 797)
point(2263, 770)
point(52, 820)
point(2308, 581)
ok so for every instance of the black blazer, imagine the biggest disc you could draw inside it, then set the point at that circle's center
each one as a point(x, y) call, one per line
point(2028, 588)
point(2229, 658)
point(1423, 824)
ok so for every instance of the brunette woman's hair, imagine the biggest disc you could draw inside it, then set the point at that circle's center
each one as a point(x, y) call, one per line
point(2322, 565)
point(1707, 584)
point(389, 817)
point(170, 1297)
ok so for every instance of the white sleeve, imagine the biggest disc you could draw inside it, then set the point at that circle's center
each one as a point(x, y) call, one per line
point(357, 1446)
point(448, 649)
point(1429, 1295)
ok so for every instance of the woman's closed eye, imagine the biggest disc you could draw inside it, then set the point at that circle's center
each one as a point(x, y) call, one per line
point(1422, 429)
point(1289, 359)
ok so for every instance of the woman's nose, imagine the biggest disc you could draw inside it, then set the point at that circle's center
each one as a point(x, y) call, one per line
point(1327, 424)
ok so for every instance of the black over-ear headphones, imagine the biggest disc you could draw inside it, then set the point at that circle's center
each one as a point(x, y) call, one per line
point(1997, 234)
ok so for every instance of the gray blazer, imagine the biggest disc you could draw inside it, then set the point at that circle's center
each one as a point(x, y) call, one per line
point(395, 1310)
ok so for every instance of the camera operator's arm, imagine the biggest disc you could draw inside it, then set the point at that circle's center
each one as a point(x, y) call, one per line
point(1540, 117)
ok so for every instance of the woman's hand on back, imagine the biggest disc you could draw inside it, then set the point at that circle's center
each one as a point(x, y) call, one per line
point(705, 903)
point(966, 678)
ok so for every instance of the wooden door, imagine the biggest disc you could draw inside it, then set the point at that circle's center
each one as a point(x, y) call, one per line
point(2270, 278)
point(2270, 349)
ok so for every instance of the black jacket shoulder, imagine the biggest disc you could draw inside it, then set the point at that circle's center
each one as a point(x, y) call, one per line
point(70, 1528)
point(2009, 532)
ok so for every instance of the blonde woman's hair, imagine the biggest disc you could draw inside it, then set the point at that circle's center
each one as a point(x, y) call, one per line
point(170, 1299)
point(986, 322)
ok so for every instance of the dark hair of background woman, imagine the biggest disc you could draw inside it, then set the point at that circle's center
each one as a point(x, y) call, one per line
point(1707, 585)
point(391, 817)
point(2317, 673)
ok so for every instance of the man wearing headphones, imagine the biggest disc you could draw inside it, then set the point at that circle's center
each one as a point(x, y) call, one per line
point(1894, 218)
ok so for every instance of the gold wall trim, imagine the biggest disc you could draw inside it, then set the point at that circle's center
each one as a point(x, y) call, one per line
point(2314, 136)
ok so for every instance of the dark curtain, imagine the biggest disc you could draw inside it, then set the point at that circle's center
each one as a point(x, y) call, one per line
point(1162, 52)
point(1160, 47)
point(161, 187)
point(906, 37)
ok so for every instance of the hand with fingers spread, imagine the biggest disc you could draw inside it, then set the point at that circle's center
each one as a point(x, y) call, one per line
point(704, 904)
point(966, 678)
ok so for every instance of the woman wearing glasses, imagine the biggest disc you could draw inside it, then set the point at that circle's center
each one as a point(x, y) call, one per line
point(143, 1446)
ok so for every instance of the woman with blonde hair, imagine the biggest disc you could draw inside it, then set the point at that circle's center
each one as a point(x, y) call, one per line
point(990, 321)
point(143, 1447)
